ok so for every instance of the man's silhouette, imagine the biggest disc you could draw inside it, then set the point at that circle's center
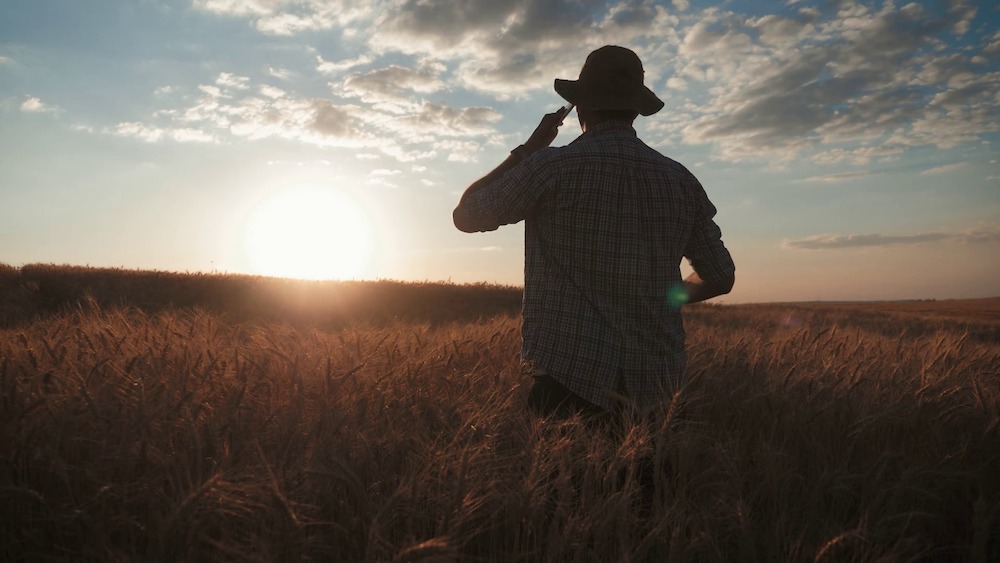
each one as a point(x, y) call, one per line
point(607, 222)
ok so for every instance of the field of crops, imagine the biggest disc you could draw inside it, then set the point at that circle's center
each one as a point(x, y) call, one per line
point(171, 417)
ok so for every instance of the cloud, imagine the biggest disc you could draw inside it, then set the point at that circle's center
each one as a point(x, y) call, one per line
point(234, 109)
point(860, 156)
point(676, 83)
point(392, 83)
point(279, 73)
point(271, 114)
point(717, 32)
point(781, 30)
point(510, 48)
point(407, 129)
point(844, 177)
point(380, 177)
point(272, 92)
point(300, 164)
point(446, 121)
point(35, 105)
point(945, 169)
point(6, 60)
point(993, 46)
point(459, 151)
point(152, 134)
point(316, 121)
point(229, 80)
point(288, 17)
point(836, 242)
point(838, 82)
point(878, 78)
point(336, 67)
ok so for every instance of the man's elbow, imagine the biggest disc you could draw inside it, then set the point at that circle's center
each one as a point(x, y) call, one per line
point(462, 223)
point(722, 286)
point(472, 223)
point(727, 284)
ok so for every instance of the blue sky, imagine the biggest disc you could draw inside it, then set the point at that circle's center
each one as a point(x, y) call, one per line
point(850, 147)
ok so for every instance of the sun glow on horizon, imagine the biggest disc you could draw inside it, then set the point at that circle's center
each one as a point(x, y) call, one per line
point(308, 232)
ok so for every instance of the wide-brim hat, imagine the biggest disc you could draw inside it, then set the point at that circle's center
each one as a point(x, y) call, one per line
point(611, 79)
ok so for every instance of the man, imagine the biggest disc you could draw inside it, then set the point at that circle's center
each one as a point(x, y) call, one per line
point(607, 222)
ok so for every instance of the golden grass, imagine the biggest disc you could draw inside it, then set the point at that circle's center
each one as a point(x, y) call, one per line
point(198, 434)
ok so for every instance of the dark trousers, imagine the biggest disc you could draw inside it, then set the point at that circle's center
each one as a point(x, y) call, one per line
point(548, 397)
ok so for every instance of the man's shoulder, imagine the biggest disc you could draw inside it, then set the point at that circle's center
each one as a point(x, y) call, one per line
point(656, 158)
point(676, 166)
point(613, 150)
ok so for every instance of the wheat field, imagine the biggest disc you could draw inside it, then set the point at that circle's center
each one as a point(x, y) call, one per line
point(182, 417)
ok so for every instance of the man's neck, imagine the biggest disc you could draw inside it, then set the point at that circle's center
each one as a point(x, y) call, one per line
point(608, 125)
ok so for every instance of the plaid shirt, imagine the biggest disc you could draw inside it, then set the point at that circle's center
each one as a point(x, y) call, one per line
point(607, 222)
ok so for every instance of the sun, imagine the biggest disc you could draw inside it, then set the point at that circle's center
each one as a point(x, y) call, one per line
point(308, 232)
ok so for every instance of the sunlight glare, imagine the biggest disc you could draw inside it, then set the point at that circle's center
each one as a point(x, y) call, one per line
point(308, 232)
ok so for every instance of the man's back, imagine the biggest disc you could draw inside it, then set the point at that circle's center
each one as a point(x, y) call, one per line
point(603, 246)
point(607, 222)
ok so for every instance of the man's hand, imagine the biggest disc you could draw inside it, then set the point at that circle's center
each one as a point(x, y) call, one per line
point(546, 131)
point(698, 289)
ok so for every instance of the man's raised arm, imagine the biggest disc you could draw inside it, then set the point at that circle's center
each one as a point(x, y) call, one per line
point(464, 218)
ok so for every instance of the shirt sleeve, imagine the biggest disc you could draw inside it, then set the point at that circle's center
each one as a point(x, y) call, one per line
point(510, 198)
point(705, 250)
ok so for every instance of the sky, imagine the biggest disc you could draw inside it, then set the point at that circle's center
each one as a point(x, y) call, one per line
point(850, 147)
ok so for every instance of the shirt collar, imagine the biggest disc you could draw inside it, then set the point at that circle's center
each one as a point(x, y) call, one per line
point(609, 126)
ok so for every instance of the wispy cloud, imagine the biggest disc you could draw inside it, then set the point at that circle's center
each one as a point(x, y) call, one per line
point(993, 45)
point(35, 105)
point(272, 92)
point(835, 242)
point(335, 67)
point(288, 17)
point(152, 134)
point(434, 121)
point(230, 80)
point(393, 83)
point(279, 73)
point(390, 117)
point(381, 177)
point(945, 169)
point(843, 177)
point(859, 156)
point(6, 60)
